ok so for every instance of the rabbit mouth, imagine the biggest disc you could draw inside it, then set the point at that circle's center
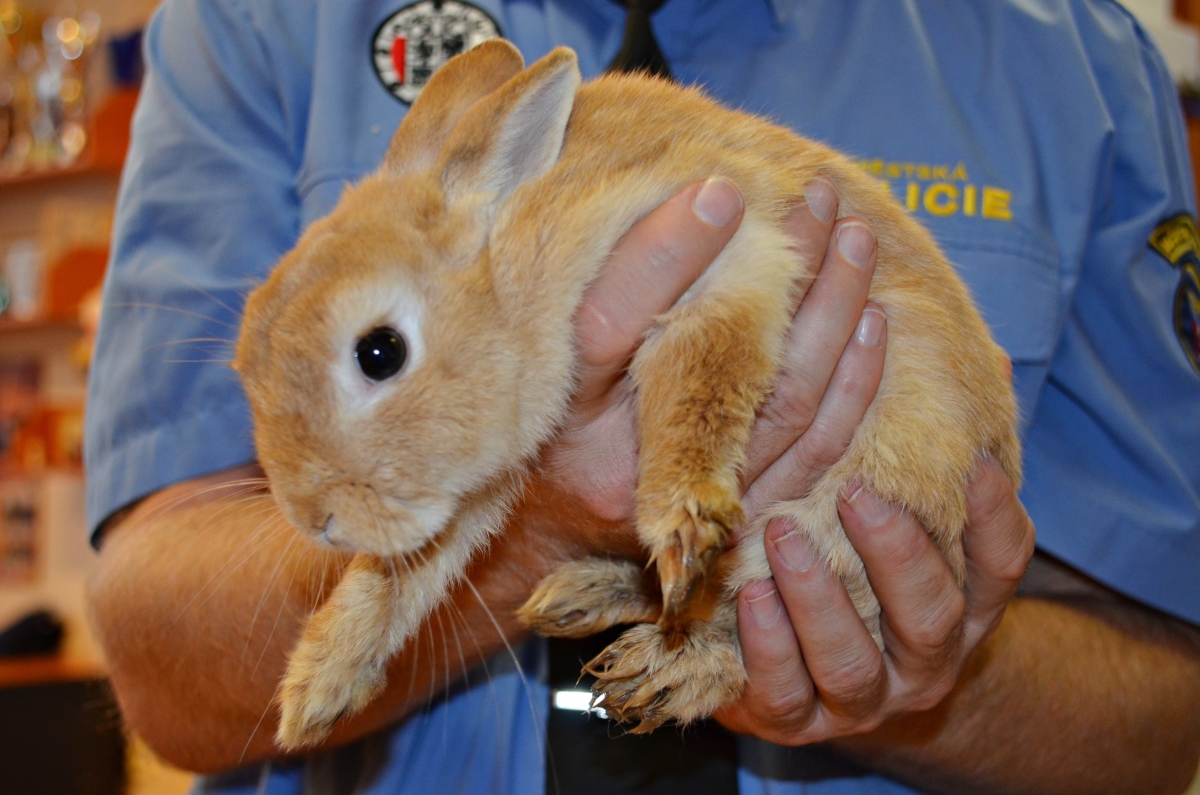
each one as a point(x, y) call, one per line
point(398, 529)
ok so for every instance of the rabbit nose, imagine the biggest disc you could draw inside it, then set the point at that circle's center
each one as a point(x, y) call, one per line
point(323, 535)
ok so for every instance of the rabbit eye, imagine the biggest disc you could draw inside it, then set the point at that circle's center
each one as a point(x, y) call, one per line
point(380, 353)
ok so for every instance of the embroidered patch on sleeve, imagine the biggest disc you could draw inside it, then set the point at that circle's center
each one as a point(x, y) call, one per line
point(1178, 241)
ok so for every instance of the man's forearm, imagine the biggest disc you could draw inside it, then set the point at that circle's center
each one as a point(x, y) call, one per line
point(198, 605)
point(1028, 716)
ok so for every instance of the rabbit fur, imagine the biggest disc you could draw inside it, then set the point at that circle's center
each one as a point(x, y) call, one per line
point(500, 197)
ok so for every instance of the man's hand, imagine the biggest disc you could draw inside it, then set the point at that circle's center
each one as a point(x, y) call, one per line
point(815, 673)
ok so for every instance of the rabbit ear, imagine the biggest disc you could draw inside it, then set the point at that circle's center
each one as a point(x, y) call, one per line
point(451, 91)
point(512, 135)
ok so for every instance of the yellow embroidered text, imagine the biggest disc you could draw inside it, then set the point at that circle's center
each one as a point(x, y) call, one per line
point(941, 190)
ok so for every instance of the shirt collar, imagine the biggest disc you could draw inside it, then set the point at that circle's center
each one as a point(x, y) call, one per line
point(782, 9)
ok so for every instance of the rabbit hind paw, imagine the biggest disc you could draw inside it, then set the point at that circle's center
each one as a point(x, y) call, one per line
point(647, 677)
point(583, 597)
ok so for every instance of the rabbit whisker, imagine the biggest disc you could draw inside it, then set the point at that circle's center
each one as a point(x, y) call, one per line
point(283, 558)
point(274, 626)
point(451, 613)
point(250, 487)
point(189, 341)
point(541, 733)
point(159, 265)
point(176, 309)
point(261, 718)
point(446, 683)
point(268, 530)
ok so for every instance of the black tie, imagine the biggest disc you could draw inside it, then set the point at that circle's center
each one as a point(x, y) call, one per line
point(639, 51)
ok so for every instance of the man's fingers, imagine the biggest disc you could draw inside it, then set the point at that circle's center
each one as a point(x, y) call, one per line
point(778, 691)
point(810, 224)
point(999, 541)
point(823, 325)
point(921, 603)
point(650, 268)
point(842, 408)
point(846, 666)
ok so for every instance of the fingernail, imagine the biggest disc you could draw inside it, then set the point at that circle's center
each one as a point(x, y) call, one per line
point(855, 243)
point(822, 199)
point(797, 554)
point(765, 609)
point(870, 327)
point(868, 507)
point(718, 202)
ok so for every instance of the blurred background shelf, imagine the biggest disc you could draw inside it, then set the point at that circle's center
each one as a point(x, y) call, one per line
point(42, 669)
point(60, 731)
point(104, 155)
point(12, 328)
point(82, 168)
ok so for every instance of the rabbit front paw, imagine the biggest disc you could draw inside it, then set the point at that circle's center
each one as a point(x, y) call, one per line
point(339, 664)
point(649, 676)
point(315, 695)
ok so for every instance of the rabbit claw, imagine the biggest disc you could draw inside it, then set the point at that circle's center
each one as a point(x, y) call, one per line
point(690, 550)
point(625, 693)
point(650, 676)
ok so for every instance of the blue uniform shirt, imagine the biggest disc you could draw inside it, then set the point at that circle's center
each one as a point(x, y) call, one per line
point(1040, 141)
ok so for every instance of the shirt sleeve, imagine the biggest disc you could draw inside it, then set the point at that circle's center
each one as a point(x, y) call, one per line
point(1113, 448)
point(206, 206)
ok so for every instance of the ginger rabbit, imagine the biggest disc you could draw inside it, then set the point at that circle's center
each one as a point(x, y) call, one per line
point(407, 360)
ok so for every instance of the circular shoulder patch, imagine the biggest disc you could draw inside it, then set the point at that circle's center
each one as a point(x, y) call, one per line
point(417, 39)
point(1187, 311)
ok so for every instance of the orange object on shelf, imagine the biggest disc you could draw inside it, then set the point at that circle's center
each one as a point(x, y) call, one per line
point(1188, 11)
point(52, 437)
point(110, 129)
point(70, 279)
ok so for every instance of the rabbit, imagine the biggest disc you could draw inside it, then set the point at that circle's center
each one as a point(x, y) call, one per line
point(406, 361)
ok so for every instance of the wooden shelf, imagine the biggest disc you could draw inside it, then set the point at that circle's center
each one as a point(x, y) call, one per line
point(83, 167)
point(10, 326)
point(22, 671)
